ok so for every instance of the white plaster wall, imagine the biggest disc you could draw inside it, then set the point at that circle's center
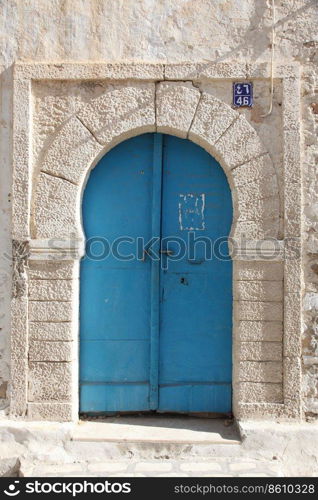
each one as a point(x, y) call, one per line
point(168, 31)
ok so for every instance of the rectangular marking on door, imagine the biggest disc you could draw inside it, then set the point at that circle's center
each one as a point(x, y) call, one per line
point(191, 212)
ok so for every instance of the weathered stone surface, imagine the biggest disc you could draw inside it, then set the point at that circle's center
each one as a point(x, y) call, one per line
point(9, 467)
point(257, 210)
point(253, 371)
point(54, 412)
point(257, 392)
point(89, 71)
point(20, 157)
point(292, 221)
point(260, 331)
point(292, 265)
point(60, 290)
point(50, 311)
point(239, 144)
point(259, 411)
point(254, 230)
point(51, 351)
point(264, 311)
point(292, 380)
point(267, 271)
point(260, 351)
point(72, 153)
point(255, 170)
point(175, 108)
point(19, 358)
point(211, 120)
point(120, 113)
point(292, 324)
point(55, 208)
point(259, 290)
point(201, 71)
point(259, 189)
point(52, 270)
point(50, 331)
point(50, 382)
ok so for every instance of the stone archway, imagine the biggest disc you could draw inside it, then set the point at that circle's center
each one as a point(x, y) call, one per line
point(125, 111)
point(171, 108)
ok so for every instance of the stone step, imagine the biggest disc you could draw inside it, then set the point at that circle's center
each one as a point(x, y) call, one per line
point(157, 429)
point(154, 437)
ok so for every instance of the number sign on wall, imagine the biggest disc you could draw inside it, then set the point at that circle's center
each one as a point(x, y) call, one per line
point(242, 94)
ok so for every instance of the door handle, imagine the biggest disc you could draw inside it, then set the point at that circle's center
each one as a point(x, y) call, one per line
point(167, 252)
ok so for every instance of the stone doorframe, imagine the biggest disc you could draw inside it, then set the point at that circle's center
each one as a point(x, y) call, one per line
point(48, 236)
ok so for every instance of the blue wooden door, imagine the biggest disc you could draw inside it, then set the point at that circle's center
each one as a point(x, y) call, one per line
point(156, 299)
point(196, 298)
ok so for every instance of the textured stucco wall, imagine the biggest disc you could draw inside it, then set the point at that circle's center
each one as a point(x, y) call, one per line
point(161, 30)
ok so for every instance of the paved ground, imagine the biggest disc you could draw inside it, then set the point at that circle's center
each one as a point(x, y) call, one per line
point(156, 468)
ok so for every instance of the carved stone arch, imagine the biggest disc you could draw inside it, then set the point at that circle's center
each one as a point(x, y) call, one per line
point(175, 108)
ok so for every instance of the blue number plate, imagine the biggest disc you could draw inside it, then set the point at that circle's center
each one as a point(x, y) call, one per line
point(242, 94)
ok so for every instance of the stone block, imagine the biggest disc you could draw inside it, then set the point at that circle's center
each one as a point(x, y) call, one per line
point(254, 311)
point(153, 466)
point(201, 467)
point(42, 350)
point(120, 113)
point(292, 158)
point(72, 152)
point(256, 230)
point(50, 331)
point(257, 209)
point(89, 71)
point(260, 351)
point(20, 159)
point(256, 270)
point(259, 290)
point(293, 380)
point(259, 392)
point(50, 382)
point(211, 120)
point(291, 109)
point(51, 270)
point(107, 467)
point(259, 189)
point(254, 371)
point(292, 265)
point(239, 144)
point(60, 290)
point(292, 324)
point(292, 203)
point(50, 311)
point(55, 208)
point(259, 169)
point(181, 71)
point(249, 331)
point(54, 412)
point(19, 356)
point(176, 104)
point(205, 71)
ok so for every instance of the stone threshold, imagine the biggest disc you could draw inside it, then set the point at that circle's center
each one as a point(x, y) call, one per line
point(157, 429)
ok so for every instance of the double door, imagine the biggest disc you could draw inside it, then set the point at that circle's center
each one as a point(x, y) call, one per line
point(156, 281)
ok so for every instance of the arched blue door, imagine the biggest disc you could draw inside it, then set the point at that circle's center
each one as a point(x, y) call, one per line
point(156, 280)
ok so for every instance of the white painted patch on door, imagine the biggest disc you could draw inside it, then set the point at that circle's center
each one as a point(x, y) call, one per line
point(191, 212)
